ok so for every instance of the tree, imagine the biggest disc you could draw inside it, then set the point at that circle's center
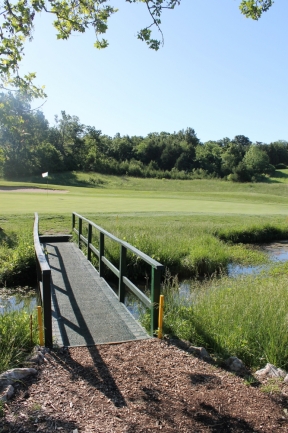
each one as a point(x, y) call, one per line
point(17, 18)
point(70, 139)
point(257, 162)
point(277, 152)
point(21, 131)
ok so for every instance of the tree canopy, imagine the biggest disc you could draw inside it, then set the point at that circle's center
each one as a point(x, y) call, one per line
point(17, 23)
point(29, 147)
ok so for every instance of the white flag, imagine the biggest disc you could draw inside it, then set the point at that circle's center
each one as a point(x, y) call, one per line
point(45, 174)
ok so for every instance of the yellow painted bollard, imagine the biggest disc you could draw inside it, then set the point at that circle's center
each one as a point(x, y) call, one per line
point(40, 326)
point(160, 317)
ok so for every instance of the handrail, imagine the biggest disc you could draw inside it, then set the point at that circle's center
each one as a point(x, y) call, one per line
point(44, 283)
point(121, 273)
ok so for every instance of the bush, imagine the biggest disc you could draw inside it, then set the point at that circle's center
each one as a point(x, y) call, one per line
point(17, 261)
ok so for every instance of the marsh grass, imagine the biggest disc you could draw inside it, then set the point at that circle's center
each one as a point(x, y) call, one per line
point(185, 245)
point(246, 317)
point(17, 263)
point(15, 338)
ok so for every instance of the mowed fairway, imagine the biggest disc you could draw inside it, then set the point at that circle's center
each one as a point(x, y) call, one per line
point(148, 196)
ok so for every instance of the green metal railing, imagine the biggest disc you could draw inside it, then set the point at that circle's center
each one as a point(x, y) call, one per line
point(44, 284)
point(121, 273)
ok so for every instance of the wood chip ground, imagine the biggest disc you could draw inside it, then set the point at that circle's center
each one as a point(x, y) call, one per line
point(141, 386)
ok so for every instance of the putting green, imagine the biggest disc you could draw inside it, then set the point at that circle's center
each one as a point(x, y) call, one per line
point(83, 200)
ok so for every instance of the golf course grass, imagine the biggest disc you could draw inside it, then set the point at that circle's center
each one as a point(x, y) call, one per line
point(132, 195)
point(194, 228)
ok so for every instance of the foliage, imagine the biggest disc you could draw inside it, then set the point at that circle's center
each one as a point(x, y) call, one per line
point(245, 317)
point(188, 246)
point(17, 263)
point(15, 338)
point(70, 16)
point(29, 146)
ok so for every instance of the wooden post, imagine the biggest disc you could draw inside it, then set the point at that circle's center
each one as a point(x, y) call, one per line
point(40, 325)
point(160, 318)
point(73, 222)
point(101, 254)
point(155, 294)
point(89, 239)
point(79, 233)
point(46, 281)
point(122, 273)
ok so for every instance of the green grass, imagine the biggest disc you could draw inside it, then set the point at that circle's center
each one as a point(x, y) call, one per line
point(17, 263)
point(133, 195)
point(245, 317)
point(15, 338)
point(194, 228)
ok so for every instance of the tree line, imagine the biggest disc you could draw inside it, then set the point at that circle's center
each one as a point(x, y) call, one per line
point(29, 146)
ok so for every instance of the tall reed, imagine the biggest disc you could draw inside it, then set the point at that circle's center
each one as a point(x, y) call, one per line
point(246, 317)
point(16, 340)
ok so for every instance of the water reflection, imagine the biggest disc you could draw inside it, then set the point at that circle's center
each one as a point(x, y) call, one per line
point(16, 300)
point(237, 270)
point(276, 251)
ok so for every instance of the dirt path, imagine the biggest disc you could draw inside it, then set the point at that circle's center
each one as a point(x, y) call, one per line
point(142, 386)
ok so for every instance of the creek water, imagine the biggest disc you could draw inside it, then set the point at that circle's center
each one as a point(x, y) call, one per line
point(16, 300)
point(276, 251)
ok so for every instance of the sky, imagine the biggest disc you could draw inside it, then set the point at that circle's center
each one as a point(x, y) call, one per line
point(218, 72)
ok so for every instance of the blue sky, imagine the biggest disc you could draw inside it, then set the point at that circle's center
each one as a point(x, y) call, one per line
point(218, 72)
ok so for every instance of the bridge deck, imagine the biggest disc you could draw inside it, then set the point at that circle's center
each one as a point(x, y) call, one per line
point(85, 310)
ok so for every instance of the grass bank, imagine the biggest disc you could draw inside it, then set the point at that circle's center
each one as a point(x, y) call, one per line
point(245, 317)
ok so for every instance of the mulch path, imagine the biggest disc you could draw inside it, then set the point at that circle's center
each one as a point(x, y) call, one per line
point(141, 386)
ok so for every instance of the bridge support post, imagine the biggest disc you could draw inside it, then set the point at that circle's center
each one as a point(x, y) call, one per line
point(79, 233)
point(89, 241)
point(101, 254)
point(46, 286)
point(155, 294)
point(122, 269)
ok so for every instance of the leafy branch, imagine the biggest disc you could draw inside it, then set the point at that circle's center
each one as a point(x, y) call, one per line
point(17, 19)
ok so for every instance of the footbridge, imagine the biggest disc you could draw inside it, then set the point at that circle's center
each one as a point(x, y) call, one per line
point(79, 306)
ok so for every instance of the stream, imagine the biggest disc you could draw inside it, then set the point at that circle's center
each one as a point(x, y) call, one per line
point(17, 299)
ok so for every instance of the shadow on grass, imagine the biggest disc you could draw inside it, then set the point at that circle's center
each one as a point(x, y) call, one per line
point(68, 178)
point(8, 240)
point(277, 175)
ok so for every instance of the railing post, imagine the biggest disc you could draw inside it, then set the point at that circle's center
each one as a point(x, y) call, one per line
point(122, 273)
point(46, 285)
point(101, 254)
point(89, 239)
point(73, 221)
point(79, 233)
point(155, 294)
